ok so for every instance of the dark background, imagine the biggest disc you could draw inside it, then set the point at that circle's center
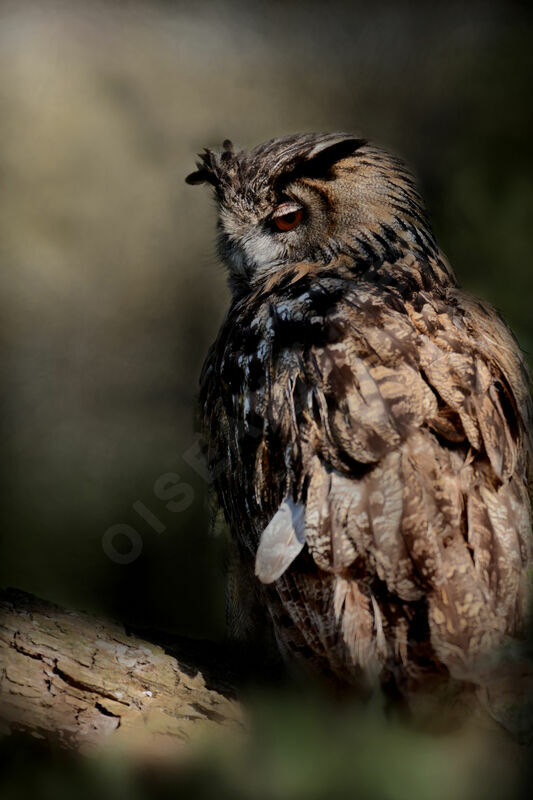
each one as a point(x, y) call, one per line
point(111, 292)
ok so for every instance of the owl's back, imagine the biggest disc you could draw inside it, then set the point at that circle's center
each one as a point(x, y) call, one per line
point(393, 417)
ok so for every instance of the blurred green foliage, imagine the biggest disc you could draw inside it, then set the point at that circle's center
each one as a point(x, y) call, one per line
point(111, 296)
point(301, 747)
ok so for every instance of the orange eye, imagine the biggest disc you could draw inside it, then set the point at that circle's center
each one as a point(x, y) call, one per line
point(287, 216)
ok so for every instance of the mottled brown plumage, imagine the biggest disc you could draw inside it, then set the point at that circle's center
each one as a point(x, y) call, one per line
point(367, 421)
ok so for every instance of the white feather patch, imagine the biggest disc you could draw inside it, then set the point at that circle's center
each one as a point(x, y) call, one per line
point(280, 542)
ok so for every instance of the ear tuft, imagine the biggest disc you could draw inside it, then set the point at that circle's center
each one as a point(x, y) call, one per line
point(319, 161)
point(200, 176)
point(208, 169)
point(212, 166)
point(336, 148)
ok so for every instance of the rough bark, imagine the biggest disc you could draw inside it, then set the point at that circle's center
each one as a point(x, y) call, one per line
point(88, 683)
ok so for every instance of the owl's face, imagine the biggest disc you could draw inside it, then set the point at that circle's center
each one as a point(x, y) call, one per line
point(307, 198)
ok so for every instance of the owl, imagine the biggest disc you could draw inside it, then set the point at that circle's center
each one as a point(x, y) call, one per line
point(367, 422)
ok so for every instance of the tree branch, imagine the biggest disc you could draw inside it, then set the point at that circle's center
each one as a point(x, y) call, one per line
point(88, 683)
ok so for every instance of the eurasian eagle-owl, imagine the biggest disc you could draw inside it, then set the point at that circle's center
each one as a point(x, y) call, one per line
point(367, 422)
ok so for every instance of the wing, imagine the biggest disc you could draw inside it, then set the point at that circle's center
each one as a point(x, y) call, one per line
point(399, 419)
point(420, 417)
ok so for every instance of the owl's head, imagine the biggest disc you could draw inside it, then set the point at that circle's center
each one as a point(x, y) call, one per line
point(310, 198)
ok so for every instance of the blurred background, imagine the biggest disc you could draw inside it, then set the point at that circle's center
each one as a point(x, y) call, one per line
point(111, 293)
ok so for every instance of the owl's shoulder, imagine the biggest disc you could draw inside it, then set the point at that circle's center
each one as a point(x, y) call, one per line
point(375, 359)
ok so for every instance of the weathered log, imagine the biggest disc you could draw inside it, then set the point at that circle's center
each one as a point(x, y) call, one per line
point(88, 683)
